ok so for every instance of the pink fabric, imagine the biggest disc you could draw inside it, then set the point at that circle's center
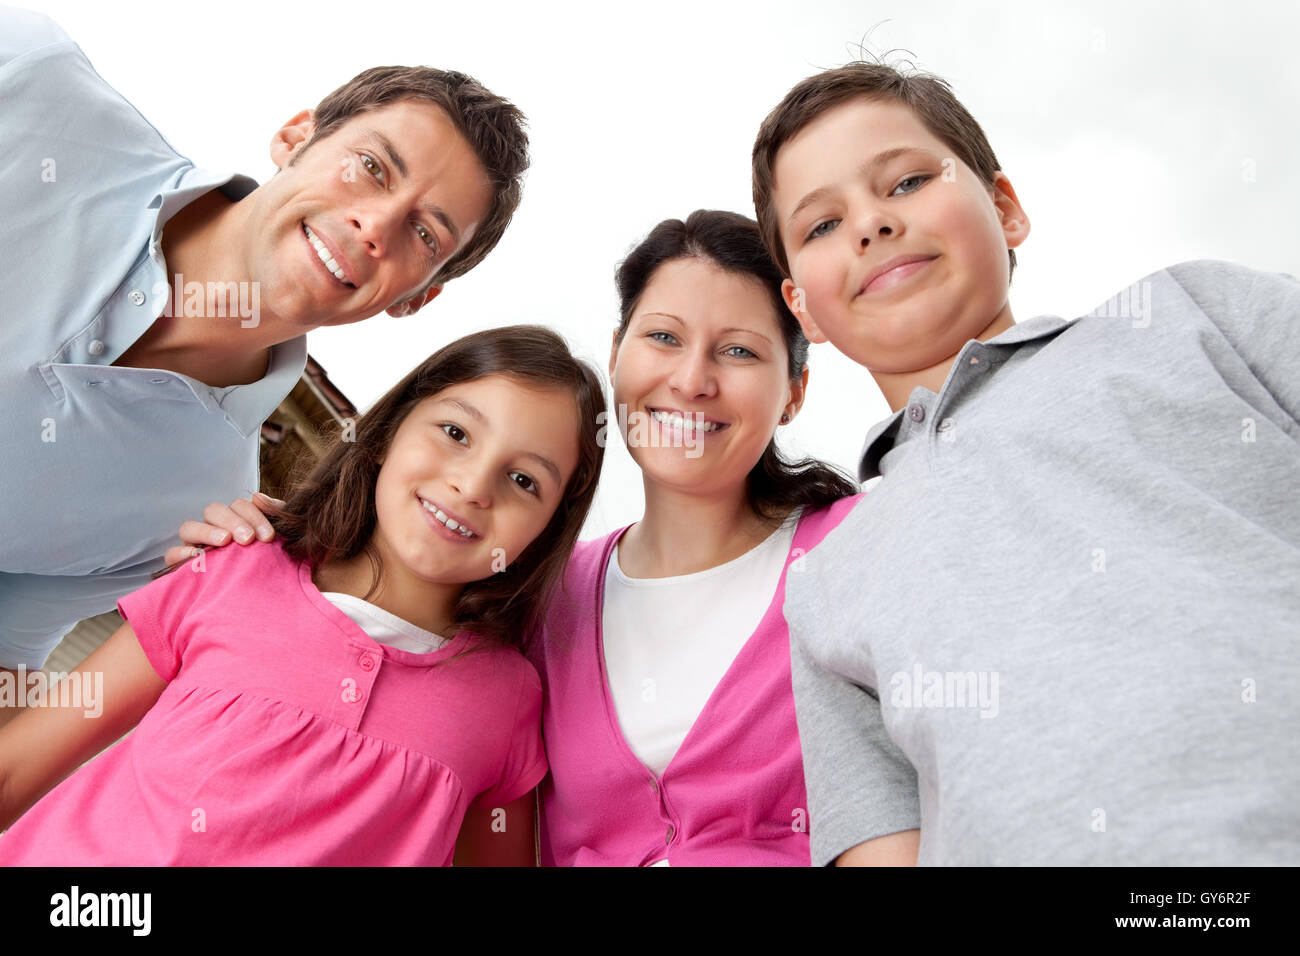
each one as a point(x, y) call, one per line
point(287, 736)
point(733, 794)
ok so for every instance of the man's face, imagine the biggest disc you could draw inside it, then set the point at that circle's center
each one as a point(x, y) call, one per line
point(897, 251)
point(359, 222)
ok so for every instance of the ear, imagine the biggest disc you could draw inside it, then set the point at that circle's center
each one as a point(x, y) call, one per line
point(414, 304)
point(613, 354)
point(798, 390)
point(291, 137)
point(794, 300)
point(1015, 222)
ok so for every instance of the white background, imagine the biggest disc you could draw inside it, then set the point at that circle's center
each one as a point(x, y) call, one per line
point(1136, 135)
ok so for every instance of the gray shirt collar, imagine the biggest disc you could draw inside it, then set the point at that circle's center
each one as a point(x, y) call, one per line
point(885, 434)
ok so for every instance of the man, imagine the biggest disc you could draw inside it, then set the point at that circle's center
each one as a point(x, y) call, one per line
point(152, 314)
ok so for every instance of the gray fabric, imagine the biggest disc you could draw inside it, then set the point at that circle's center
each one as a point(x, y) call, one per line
point(1076, 593)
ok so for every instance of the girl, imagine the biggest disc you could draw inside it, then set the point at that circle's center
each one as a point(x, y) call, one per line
point(341, 696)
point(669, 718)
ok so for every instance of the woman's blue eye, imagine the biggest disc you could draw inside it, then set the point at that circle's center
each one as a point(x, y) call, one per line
point(745, 353)
point(667, 338)
point(918, 180)
point(820, 229)
point(454, 432)
point(527, 483)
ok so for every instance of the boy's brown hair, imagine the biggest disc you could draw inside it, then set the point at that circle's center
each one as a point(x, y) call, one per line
point(493, 127)
point(928, 96)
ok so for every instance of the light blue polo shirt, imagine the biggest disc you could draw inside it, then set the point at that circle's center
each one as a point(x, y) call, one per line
point(98, 465)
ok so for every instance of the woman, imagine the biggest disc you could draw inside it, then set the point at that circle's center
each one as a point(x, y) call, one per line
point(669, 718)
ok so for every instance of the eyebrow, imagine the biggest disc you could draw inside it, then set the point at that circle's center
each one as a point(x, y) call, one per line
point(733, 328)
point(478, 416)
point(875, 162)
point(400, 165)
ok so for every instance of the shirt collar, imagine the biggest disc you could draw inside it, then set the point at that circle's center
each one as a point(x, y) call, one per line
point(192, 184)
point(883, 435)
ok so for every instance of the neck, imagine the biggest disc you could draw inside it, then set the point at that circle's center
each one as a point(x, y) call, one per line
point(682, 533)
point(897, 386)
point(214, 328)
point(428, 606)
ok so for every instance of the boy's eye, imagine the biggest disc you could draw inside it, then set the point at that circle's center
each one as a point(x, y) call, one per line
point(822, 228)
point(454, 432)
point(524, 482)
point(909, 185)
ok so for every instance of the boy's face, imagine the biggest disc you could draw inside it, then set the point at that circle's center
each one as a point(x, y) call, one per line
point(388, 196)
point(897, 251)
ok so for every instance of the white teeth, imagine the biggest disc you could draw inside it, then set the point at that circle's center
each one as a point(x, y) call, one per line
point(450, 523)
point(324, 254)
point(675, 420)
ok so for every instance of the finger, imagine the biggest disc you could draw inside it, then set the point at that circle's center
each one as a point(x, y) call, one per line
point(267, 504)
point(179, 554)
point(196, 532)
point(223, 516)
point(252, 516)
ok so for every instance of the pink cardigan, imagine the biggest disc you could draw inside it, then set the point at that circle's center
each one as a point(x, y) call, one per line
point(733, 794)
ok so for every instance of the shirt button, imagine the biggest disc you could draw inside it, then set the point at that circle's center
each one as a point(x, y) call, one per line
point(974, 360)
point(668, 837)
point(367, 662)
point(136, 297)
point(916, 413)
point(654, 787)
point(96, 347)
point(945, 425)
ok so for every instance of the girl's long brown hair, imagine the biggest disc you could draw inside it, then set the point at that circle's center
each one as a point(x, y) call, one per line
point(329, 512)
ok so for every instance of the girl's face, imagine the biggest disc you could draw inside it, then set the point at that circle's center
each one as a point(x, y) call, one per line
point(472, 476)
point(701, 378)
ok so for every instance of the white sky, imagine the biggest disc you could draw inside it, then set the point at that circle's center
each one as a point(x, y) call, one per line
point(1136, 135)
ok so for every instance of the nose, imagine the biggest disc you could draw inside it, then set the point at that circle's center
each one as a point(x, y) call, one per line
point(472, 481)
point(373, 224)
point(874, 223)
point(693, 374)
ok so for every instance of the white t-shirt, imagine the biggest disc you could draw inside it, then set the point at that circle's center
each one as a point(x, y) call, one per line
point(669, 641)
point(384, 627)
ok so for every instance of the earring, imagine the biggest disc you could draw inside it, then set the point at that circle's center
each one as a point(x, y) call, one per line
point(785, 419)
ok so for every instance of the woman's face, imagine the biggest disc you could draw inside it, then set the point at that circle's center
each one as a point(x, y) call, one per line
point(701, 377)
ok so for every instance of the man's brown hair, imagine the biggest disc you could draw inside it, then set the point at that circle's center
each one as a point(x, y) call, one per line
point(493, 127)
point(928, 96)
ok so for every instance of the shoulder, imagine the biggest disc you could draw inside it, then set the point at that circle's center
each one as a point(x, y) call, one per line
point(23, 31)
point(816, 524)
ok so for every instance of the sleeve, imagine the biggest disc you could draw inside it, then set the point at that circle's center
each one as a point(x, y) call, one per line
point(161, 613)
point(1259, 314)
point(860, 785)
point(22, 31)
point(525, 762)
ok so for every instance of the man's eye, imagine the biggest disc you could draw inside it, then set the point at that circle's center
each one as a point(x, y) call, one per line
point(454, 432)
point(822, 228)
point(524, 482)
point(910, 185)
point(372, 166)
point(426, 236)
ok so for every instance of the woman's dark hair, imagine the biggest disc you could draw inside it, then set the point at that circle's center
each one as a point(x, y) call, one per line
point(330, 513)
point(733, 243)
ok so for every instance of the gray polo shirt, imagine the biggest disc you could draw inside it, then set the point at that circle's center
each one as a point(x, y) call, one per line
point(1063, 628)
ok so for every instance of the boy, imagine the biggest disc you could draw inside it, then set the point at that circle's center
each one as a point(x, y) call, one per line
point(152, 314)
point(1062, 628)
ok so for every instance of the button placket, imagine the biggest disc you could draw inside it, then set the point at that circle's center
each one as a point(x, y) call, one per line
point(356, 685)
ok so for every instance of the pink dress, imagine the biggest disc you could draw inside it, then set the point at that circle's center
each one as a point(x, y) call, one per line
point(732, 795)
point(287, 736)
